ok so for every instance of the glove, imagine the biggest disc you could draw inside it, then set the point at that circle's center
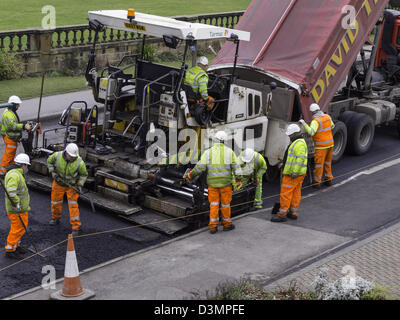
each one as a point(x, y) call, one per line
point(18, 207)
point(54, 175)
point(188, 176)
point(302, 122)
point(80, 189)
point(210, 103)
point(28, 126)
point(237, 185)
point(294, 175)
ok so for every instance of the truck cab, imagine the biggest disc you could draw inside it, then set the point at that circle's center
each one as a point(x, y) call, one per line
point(388, 51)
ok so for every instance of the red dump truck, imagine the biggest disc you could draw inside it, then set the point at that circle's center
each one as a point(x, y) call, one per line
point(340, 54)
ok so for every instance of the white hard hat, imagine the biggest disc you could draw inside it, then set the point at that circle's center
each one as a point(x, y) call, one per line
point(22, 158)
point(203, 60)
point(314, 107)
point(248, 155)
point(292, 128)
point(14, 99)
point(72, 149)
point(221, 136)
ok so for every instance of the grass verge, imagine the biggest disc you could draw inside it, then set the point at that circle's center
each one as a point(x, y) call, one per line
point(27, 88)
point(24, 14)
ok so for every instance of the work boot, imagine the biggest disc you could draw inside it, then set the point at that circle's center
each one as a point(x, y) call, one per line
point(13, 255)
point(229, 228)
point(328, 183)
point(276, 208)
point(53, 222)
point(213, 231)
point(292, 216)
point(278, 219)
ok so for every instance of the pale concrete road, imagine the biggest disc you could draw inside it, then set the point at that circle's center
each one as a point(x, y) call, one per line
point(53, 106)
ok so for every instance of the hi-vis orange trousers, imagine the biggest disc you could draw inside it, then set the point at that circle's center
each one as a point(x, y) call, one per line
point(322, 164)
point(17, 230)
point(215, 197)
point(57, 197)
point(9, 154)
point(290, 195)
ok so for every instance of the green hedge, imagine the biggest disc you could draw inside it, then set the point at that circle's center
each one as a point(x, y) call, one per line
point(11, 67)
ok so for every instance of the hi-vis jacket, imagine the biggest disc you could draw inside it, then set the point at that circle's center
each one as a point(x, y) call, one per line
point(197, 78)
point(10, 125)
point(321, 130)
point(15, 184)
point(74, 173)
point(296, 161)
point(254, 169)
point(220, 163)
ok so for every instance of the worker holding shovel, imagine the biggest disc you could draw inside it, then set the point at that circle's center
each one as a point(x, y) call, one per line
point(69, 173)
point(17, 204)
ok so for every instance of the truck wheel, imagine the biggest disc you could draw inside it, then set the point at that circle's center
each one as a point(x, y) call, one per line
point(398, 126)
point(361, 130)
point(346, 117)
point(340, 139)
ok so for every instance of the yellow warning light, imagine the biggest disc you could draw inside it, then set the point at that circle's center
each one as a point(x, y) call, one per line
point(131, 14)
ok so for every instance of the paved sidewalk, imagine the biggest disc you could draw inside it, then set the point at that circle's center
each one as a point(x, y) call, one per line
point(376, 259)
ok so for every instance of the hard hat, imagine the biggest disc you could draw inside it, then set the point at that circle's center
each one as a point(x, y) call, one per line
point(248, 155)
point(72, 149)
point(314, 107)
point(292, 128)
point(203, 60)
point(22, 158)
point(221, 136)
point(14, 99)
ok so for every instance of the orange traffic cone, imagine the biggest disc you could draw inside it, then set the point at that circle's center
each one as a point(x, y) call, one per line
point(72, 288)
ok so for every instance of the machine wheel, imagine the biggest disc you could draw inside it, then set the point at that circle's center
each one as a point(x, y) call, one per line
point(361, 130)
point(340, 140)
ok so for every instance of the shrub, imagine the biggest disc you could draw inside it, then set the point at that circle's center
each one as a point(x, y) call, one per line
point(11, 66)
point(346, 288)
point(149, 52)
point(376, 293)
point(246, 289)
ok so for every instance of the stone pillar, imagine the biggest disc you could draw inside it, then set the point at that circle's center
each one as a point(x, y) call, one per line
point(45, 39)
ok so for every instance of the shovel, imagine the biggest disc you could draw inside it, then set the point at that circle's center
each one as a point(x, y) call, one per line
point(77, 191)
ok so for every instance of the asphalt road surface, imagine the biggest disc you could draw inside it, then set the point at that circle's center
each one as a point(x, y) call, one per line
point(103, 246)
